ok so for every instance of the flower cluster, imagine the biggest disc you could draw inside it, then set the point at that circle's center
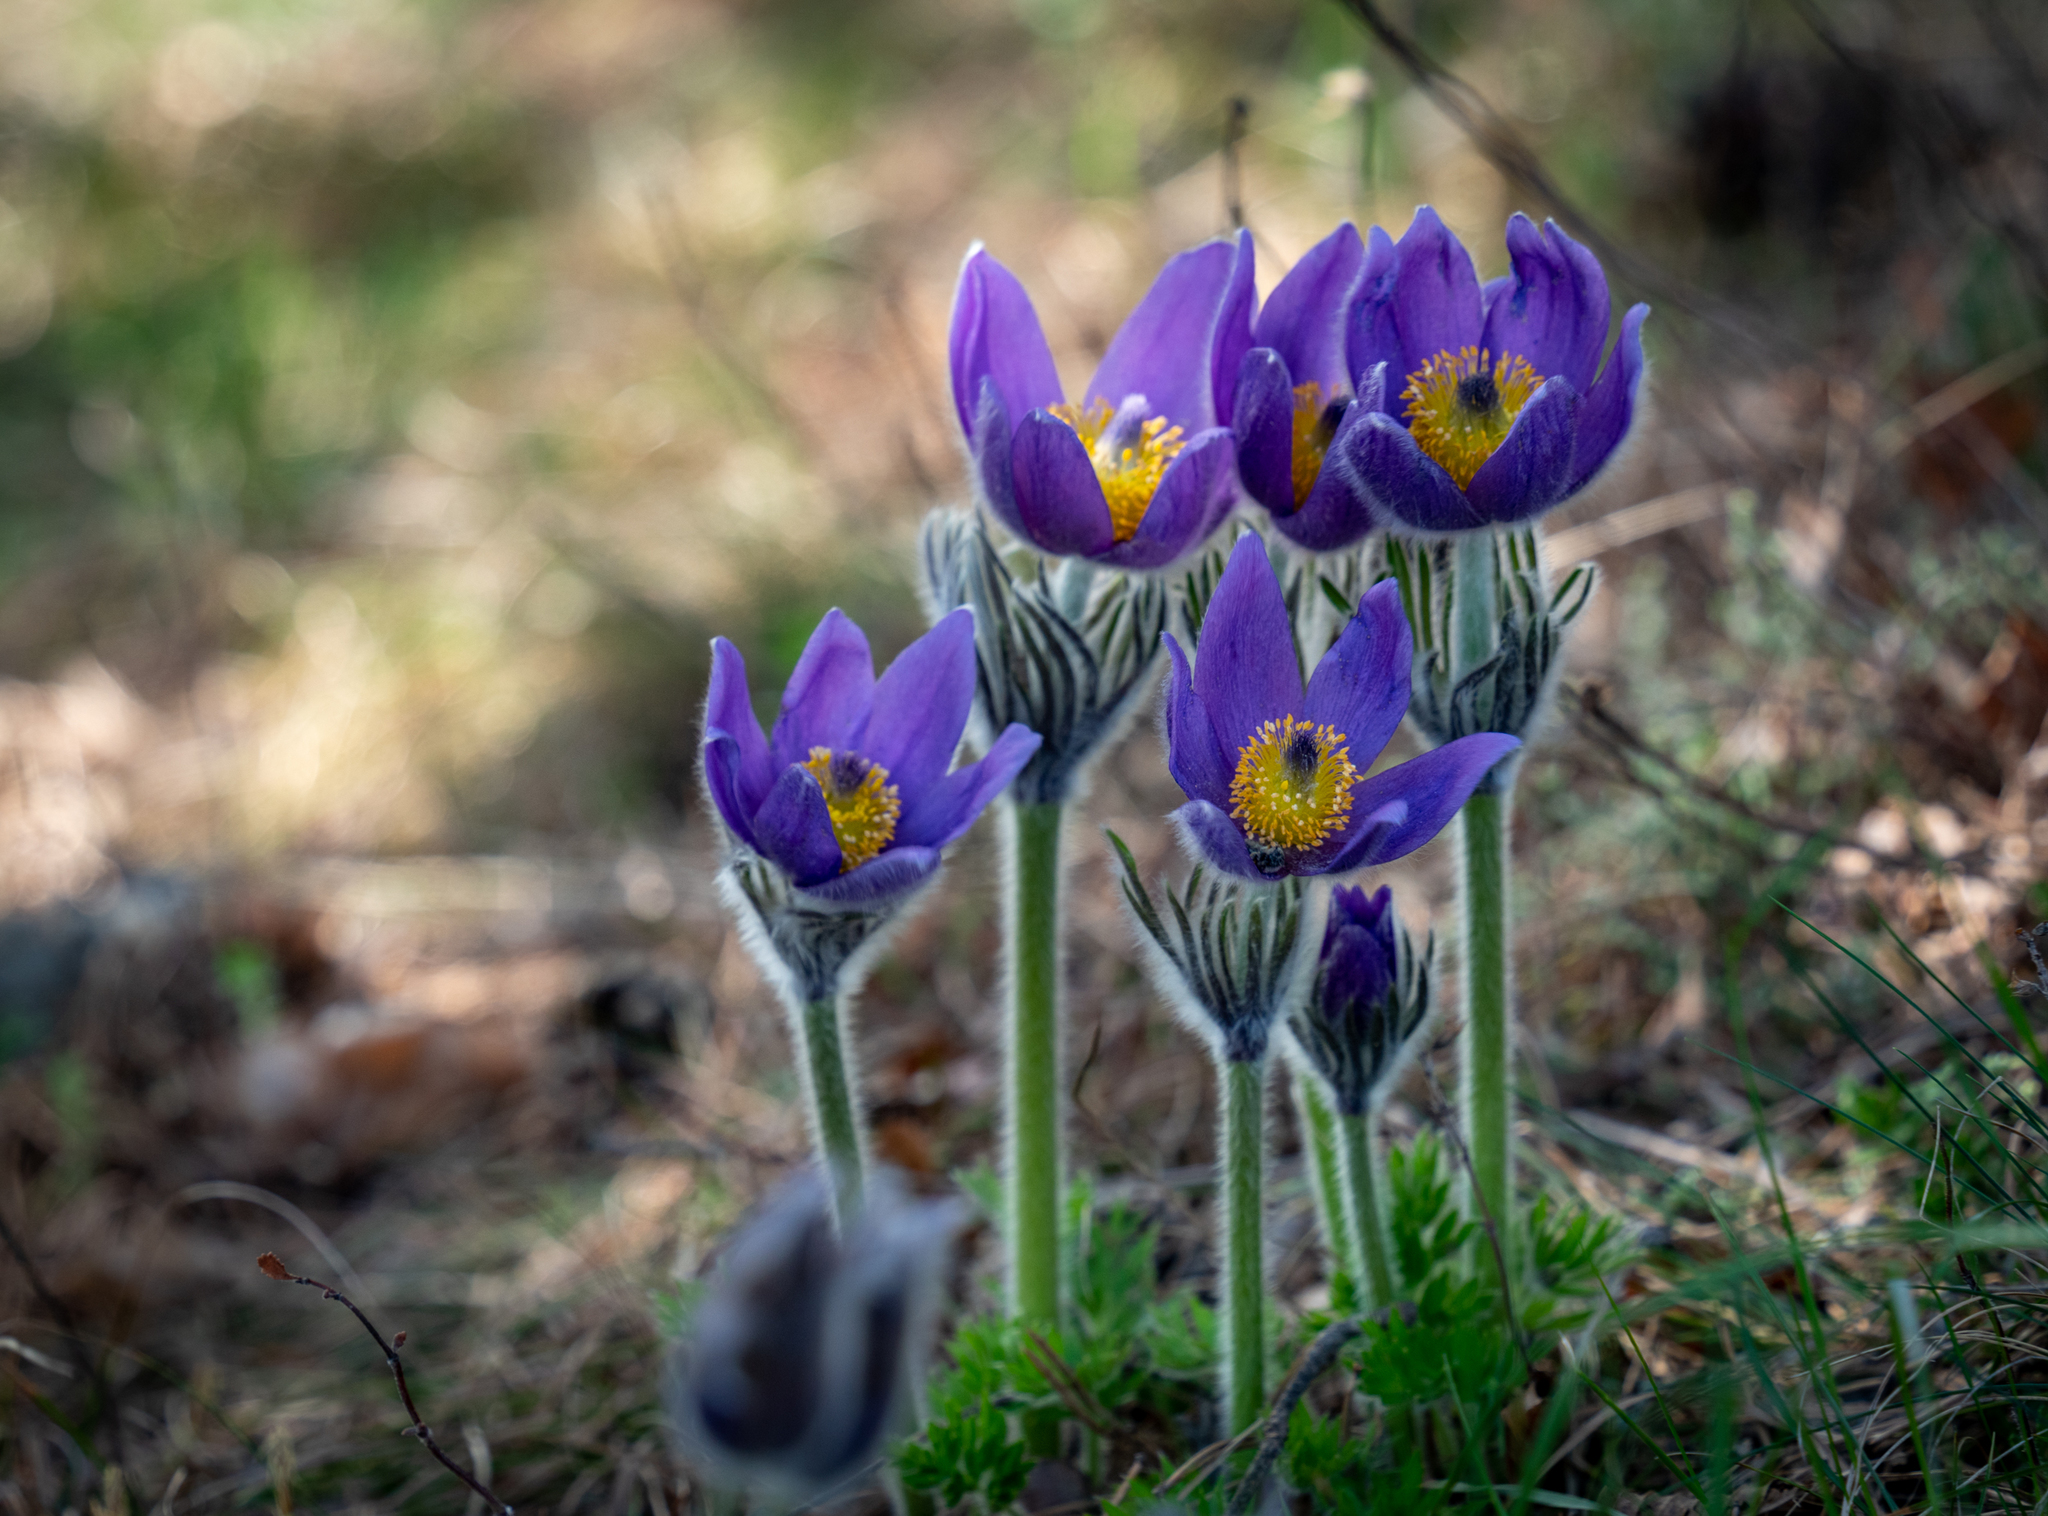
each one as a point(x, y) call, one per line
point(1381, 387)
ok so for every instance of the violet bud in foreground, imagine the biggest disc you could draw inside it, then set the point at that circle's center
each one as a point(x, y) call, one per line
point(802, 1352)
point(1370, 996)
point(850, 795)
point(1141, 468)
point(1275, 772)
point(1483, 406)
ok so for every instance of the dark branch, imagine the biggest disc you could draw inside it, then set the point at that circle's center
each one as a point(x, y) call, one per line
point(1503, 147)
point(1233, 179)
point(1320, 1355)
point(273, 1268)
point(105, 1411)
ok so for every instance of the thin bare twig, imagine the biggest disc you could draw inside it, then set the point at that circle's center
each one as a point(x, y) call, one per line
point(1234, 123)
point(1516, 162)
point(273, 1268)
point(1320, 1355)
point(1588, 712)
point(2031, 936)
point(105, 1411)
point(1447, 1122)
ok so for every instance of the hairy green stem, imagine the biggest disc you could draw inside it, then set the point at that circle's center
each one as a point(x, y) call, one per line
point(1244, 1273)
point(834, 1104)
point(1325, 1171)
point(1366, 1183)
point(1476, 606)
point(1032, 1170)
point(1486, 1041)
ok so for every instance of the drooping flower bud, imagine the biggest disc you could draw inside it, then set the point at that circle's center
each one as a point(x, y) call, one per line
point(801, 1355)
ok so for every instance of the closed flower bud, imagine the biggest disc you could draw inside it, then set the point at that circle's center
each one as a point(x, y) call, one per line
point(802, 1353)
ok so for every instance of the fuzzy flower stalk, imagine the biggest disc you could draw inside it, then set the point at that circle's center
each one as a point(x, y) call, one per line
point(1491, 406)
point(1128, 475)
point(1491, 630)
point(1276, 771)
point(1231, 959)
point(1369, 1000)
point(838, 818)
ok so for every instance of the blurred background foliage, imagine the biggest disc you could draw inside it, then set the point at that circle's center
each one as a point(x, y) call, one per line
point(395, 396)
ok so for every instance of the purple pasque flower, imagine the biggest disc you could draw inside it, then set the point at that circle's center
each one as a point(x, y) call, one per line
point(1293, 410)
point(850, 795)
point(1142, 468)
point(1490, 405)
point(1276, 774)
point(1369, 996)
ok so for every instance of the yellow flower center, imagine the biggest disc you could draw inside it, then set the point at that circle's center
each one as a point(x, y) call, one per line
point(1460, 408)
point(1315, 423)
point(1292, 788)
point(862, 803)
point(1129, 452)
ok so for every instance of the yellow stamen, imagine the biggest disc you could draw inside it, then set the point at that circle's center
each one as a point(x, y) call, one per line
point(1293, 785)
point(1315, 423)
point(1129, 475)
point(1461, 407)
point(862, 803)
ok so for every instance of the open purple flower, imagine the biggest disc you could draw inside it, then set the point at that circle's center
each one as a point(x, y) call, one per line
point(1277, 774)
point(1492, 405)
point(1143, 467)
point(850, 795)
point(1294, 405)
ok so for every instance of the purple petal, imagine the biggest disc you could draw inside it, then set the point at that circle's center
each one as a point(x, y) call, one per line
point(1245, 671)
point(1404, 484)
point(1213, 838)
point(939, 813)
point(1361, 685)
point(1431, 787)
point(1164, 350)
point(827, 691)
point(1262, 418)
point(1435, 295)
point(793, 829)
point(1304, 320)
point(1371, 391)
point(1371, 333)
point(895, 872)
point(1351, 906)
point(996, 335)
point(1554, 313)
point(1060, 508)
point(1233, 335)
point(1194, 495)
point(1338, 512)
point(736, 766)
point(1490, 291)
point(1193, 756)
point(1532, 468)
point(989, 446)
point(920, 706)
point(1610, 408)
